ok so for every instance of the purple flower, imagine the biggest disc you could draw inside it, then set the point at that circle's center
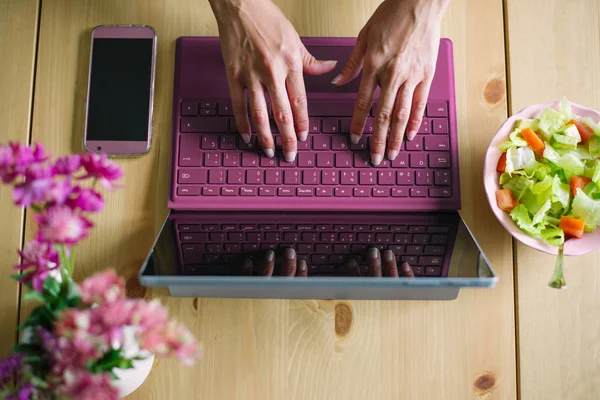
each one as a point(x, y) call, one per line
point(37, 260)
point(61, 224)
point(8, 368)
point(59, 191)
point(24, 393)
point(16, 158)
point(38, 180)
point(67, 165)
point(101, 168)
point(87, 200)
point(82, 385)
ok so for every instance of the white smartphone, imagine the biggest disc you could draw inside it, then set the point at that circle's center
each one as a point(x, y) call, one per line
point(120, 91)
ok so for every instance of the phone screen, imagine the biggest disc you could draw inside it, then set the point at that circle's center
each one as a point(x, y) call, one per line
point(120, 84)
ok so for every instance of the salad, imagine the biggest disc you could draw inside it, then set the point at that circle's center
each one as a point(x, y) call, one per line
point(550, 178)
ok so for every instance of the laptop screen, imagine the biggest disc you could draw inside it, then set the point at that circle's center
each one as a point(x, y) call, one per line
point(336, 250)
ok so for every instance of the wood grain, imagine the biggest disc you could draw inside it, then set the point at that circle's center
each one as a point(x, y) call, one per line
point(559, 331)
point(265, 349)
point(18, 33)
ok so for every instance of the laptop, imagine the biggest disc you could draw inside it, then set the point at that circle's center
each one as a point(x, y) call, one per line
point(229, 203)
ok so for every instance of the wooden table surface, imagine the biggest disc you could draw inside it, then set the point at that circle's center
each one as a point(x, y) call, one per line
point(520, 339)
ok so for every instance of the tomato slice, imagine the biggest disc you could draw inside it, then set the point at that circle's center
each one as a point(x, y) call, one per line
point(579, 182)
point(501, 167)
point(506, 200)
point(585, 131)
point(572, 226)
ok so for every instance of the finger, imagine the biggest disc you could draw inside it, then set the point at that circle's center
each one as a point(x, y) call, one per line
point(246, 268)
point(419, 101)
point(362, 106)
point(282, 113)
point(383, 115)
point(352, 268)
point(399, 119)
point(288, 267)
point(240, 109)
point(302, 270)
point(353, 65)
point(406, 270)
point(268, 264)
point(260, 117)
point(312, 66)
point(374, 262)
point(297, 95)
point(389, 264)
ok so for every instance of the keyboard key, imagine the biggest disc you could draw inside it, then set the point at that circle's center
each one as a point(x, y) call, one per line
point(306, 160)
point(401, 161)
point(247, 191)
point(345, 125)
point(361, 192)
point(322, 142)
point(405, 178)
point(434, 250)
point(397, 249)
point(339, 142)
point(305, 248)
point(233, 247)
point(210, 191)
point(329, 177)
point(188, 191)
point(367, 178)
point(414, 249)
point(189, 108)
point(418, 160)
point(418, 270)
point(205, 112)
point(210, 227)
point(231, 159)
point(254, 177)
point(251, 145)
point(343, 160)
point(433, 271)
point(420, 238)
point(323, 227)
point(250, 247)
point(305, 227)
point(273, 237)
point(342, 227)
point(216, 176)
point(369, 126)
point(329, 237)
point(440, 126)
point(403, 238)
point(285, 164)
point(418, 192)
point(203, 125)
point(285, 192)
point(304, 192)
point(425, 126)
point(386, 178)
point(310, 237)
point(379, 228)
point(217, 237)
point(189, 228)
point(439, 160)
point(324, 192)
point(291, 177)
point(235, 176)
point(306, 145)
point(417, 229)
point(268, 162)
point(191, 176)
point(212, 159)
point(381, 192)
point(399, 228)
point(439, 239)
point(189, 151)
point(362, 160)
point(325, 160)
point(410, 259)
point(414, 145)
point(225, 108)
point(438, 229)
point(249, 160)
point(208, 104)
point(314, 125)
point(437, 109)
point(273, 177)
point(266, 191)
point(442, 178)
point(385, 163)
point(440, 192)
point(399, 192)
point(424, 178)
point(384, 238)
point(347, 177)
point(327, 108)
point(310, 177)
point(425, 260)
point(437, 143)
point(318, 258)
point(291, 236)
point(209, 142)
point(343, 192)
point(365, 237)
point(330, 125)
point(361, 145)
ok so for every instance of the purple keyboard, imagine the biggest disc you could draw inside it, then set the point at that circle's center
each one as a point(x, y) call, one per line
point(212, 168)
point(215, 245)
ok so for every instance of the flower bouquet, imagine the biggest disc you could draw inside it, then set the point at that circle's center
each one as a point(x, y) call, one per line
point(80, 336)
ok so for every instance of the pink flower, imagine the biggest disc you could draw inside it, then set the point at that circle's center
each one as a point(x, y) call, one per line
point(82, 385)
point(67, 165)
point(38, 180)
point(72, 321)
point(16, 157)
point(174, 339)
point(87, 200)
point(59, 192)
point(38, 259)
point(60, 224)
point(104, 286)
point(149, 315)
point(6, 157)
point(99, 167)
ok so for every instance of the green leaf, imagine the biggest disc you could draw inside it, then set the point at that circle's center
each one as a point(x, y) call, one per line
point(38, 382)
point(51, 287)
point(125, 364)
point(33, 295)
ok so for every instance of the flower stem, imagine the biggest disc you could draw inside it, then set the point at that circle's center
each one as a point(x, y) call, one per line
point(558, 278)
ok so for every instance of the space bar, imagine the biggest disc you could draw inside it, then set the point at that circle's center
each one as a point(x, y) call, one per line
point(321, 108)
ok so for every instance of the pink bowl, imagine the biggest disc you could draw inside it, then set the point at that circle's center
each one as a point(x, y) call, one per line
point(573, 247)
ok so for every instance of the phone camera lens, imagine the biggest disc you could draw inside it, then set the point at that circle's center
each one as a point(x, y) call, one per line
point(99, 148)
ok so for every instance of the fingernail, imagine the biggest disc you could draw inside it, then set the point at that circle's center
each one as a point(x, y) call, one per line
point(290, 254)
point(354, 139)
point(337, 79)
point(388, 255)
point(373, 253)
point(302, 136)
point(404, 267)
point(270, 255)
point(411, 135)
point(290, 156)
point(302, 265)
point(330, 63)
point(246, 138)
point(269, 153)
point(392, 154)
point(376, 159)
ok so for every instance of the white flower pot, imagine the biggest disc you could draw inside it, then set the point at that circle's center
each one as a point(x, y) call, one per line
point(131, 379)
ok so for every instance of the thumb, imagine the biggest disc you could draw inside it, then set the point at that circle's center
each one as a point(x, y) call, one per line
point(353, 65)
point(312, 66)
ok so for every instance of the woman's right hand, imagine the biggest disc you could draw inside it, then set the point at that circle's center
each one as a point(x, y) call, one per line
point(263, 54)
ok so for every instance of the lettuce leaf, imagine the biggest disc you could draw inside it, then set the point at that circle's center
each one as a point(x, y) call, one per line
point(518, 157)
